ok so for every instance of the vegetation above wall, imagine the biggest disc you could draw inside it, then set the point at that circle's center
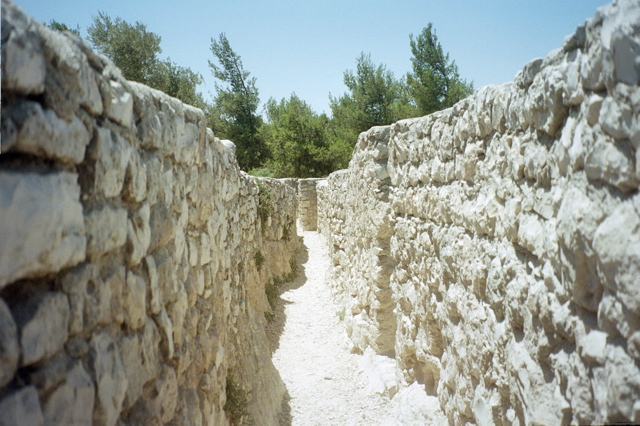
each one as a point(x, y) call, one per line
point(294, 141)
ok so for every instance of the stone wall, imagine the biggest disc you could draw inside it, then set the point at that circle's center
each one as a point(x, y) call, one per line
point(504, 235)
point(308, 202)
point(134, 254)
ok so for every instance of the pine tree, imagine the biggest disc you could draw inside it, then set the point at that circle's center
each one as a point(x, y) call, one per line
point(435, 82)
point(234, 115)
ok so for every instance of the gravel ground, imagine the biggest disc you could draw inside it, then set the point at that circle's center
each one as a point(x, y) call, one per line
point(326, 384)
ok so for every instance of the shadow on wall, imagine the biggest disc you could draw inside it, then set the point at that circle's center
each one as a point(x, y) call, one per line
point(277, 318)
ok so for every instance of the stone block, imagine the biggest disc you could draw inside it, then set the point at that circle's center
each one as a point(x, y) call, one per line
point(47, 376)
point(9, 346)
point(31, 130)
point(624, 43)
point(155, 295)
point(94, 298)
point(593, 109)
point(525, 77)
point(112, 154)
point(177, 311)
point(70, 80)
point(617, 246)
point(593, 347)
point(106, 230)
point(163, 395)
point(42, 229)
point(132, 361)
point(21, 407)
point(613, 164)
point(166, 331)
point(134, 304)
point(110, 379)
point(135, 181)
point(150, 348)
point(72, 402)
point(120, 109)
point(23, 62)
point(616, 118)
point(138, 235)
point(163, 226)
point(44, 326)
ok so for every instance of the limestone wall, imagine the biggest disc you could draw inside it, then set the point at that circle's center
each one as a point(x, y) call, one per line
point(308, 202)
point(133, 252)
point(357, 226)
point(508, 233)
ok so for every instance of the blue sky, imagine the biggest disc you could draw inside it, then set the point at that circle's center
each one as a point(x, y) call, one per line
point(305, 46)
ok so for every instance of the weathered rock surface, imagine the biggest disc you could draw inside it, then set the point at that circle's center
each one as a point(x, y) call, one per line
point(44, 326)
point(134, 258)
point(72, 402)
point(43, 228)
point(502, 235)
point(9, 346)
point(21, 407)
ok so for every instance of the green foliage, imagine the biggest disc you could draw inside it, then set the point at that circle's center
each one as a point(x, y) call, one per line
point(262, 172)
point(375, 98)
point(435, 83)
point(259, 259)
point(237, 402)
point(131, 47)
point(273, 291)
point(265, 205)
point(297, 139)
point(286, 232)
point(181, 82)
point(59, 26)
point(135, 51)
point(234, 115)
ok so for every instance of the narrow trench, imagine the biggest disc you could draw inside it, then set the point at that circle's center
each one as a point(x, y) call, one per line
point(326, 383)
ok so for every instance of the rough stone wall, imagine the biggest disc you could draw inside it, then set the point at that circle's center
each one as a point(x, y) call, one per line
point(308, 202)
point(359, 237)
point(130, 284)
point(515, 237)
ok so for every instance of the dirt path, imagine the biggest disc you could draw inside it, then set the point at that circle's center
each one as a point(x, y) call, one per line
point(328, 385)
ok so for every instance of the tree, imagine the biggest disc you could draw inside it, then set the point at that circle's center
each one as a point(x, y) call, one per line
point(59, 26)
point(135, 51)
point(297, 139)
point(131, 47)
point(181, 82)
point(234, 115)
point(435, 83)
point(375, 98)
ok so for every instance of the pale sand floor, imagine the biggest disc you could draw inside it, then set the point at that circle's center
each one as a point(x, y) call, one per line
point(326, 384)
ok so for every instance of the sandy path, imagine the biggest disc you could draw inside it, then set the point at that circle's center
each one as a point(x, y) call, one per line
point(328, 385)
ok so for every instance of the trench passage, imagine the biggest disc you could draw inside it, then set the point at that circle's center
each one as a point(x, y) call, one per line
point(326, 383)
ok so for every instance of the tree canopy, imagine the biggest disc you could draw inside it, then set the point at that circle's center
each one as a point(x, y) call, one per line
point(59, 26)
point(297, 139)
point(375, 98)
point(294, 141)
point(435, 82)
point(234, 115)
point(135, 51)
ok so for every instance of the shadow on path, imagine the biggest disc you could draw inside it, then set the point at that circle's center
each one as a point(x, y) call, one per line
point(276, 323)
point(275, 326)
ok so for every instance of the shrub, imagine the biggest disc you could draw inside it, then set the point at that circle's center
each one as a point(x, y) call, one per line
point(237, 402)
point(259, 258)
point(265, 205)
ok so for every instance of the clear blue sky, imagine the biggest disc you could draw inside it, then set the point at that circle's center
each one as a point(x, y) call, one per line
point(305, 46)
